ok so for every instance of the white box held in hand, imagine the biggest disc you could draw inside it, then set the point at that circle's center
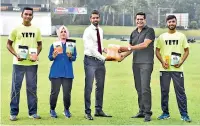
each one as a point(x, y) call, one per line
point(23, 51)
point(33, 53)
point(70, 46)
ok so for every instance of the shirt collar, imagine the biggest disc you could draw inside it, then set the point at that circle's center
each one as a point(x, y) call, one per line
point(143, 27)
point(93, 27)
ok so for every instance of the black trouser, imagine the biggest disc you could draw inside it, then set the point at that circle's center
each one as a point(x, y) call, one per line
point(55, 89)
point(142, 76)
point(178, 80)
point(94, 68)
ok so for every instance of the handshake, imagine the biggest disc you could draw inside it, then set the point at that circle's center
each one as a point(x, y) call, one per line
point(115, 52)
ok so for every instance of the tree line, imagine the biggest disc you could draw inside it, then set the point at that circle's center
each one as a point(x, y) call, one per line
point(121, 12)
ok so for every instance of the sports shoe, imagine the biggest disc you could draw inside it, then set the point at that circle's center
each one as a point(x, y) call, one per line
point(53, 114)
point(186, 118)
point(67, 113)
point(34, 116)
point(13, 117)
point(163, 116)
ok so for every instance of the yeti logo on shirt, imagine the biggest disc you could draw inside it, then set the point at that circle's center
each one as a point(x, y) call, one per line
point(171, 42)
point(28, 35)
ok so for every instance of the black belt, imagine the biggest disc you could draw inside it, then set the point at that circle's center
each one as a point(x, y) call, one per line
point(91, 57)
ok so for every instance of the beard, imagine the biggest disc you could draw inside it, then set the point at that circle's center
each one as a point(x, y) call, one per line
point(172, 28)
point(95, 23)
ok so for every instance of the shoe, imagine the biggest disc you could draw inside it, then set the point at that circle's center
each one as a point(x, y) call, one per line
point(13, 117)
point(101, 114)
point(186, 118)
point(147, 118)
point(34, 116)
point(138, 115)
point(88, 117)
point(163, 116)
point(67, 113)
point(53, 114)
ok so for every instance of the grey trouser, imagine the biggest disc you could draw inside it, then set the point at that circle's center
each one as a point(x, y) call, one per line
point(94, 68)
point(142, 76)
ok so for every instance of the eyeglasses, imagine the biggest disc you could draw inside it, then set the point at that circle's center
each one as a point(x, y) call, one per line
point(63, 31)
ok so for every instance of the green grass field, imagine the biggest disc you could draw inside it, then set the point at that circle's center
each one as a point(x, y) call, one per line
point(120, 98)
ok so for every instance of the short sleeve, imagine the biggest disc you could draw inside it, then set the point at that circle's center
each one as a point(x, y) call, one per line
point(150, 34)
point(158, 42)
point(13, 35)
point(131, 38)
point(39, 37)
point(185, 42)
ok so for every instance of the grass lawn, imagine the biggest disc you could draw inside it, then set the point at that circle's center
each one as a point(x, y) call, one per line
point(126, 30)
point(120, 97)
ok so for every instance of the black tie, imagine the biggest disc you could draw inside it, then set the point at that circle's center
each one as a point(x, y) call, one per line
point(99, 41)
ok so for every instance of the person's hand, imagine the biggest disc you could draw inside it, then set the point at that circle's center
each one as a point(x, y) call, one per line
point(18, 58)
point(105, 50)
point(121, 58)
point(109, 59)
point(33, 58)
point(124, 49)
point(165, 65)
point(55, 53)
point(69, 55)
point(178, 65)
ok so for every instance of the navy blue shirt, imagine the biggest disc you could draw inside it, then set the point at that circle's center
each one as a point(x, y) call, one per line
point(62, 64)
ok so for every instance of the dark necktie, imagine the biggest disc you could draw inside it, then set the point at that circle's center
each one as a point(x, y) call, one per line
point(99, 41)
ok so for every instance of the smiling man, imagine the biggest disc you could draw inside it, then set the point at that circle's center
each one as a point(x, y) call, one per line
point(94, 66)
point(21, 42)
point(142, 46)
point(172, 49)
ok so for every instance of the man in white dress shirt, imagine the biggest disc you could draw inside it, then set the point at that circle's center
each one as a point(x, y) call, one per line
point(94, 65)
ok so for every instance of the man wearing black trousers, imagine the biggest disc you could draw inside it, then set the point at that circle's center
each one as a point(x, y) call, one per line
point(172, 49)
point(94, 65)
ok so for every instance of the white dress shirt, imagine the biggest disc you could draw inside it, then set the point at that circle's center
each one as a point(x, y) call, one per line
point(90, 42)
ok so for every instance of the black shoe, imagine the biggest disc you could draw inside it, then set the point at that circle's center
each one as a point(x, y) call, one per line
point(101, 114)
point(147, 118)
point(88, 116)
point(138, 115)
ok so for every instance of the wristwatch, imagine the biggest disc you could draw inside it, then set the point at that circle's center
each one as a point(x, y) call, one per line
point(129, 48)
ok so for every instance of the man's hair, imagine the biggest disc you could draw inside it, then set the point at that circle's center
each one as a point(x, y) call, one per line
point(95, 12)
point(27, 8)
point(169, 17)
point(141, 13)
